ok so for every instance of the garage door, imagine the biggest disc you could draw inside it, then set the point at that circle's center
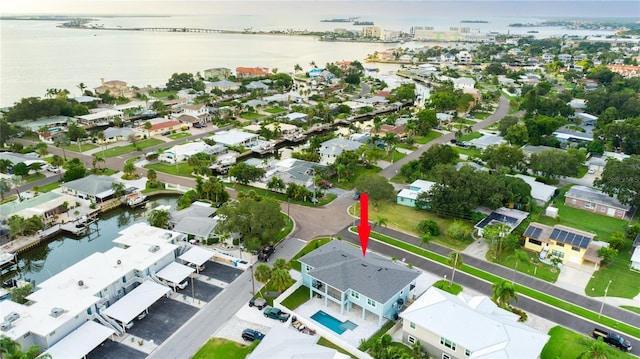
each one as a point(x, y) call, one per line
point(574, 259)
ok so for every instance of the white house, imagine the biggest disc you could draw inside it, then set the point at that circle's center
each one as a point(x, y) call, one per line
point(182, 152)
point(332, 149)
point(463, 83)
point(464, 57)
point(462, 326)
point(235, 137)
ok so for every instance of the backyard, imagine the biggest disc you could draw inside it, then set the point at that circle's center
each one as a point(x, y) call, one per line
point(222, 348)
point(565, 343)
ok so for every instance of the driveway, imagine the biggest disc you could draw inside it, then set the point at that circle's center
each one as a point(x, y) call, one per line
point(164, 318)
point(110, 349)
point(221, 272)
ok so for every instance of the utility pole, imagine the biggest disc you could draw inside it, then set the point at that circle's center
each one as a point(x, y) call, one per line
point(606, 290)
point(253, 285)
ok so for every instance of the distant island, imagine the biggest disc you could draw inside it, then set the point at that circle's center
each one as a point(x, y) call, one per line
point(474, 21)
point(351, 19)
point(367, 23)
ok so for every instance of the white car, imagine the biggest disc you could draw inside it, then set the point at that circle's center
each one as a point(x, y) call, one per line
point(53, 169)
point(592, 170)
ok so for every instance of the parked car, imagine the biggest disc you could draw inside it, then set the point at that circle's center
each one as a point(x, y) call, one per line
point(259, 303)
point(277, 314)
point(592, 170)
point(166, 133)
point(53, 169)
point(265, 253)
point(612, 339)
point(251, 335)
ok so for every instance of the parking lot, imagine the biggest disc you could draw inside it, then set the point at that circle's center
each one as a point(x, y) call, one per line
point(164, 318)
point(220, 271)
point(203, 291)
point(110, 349)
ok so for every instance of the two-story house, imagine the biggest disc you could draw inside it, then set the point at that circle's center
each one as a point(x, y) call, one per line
point(462, 326)
point(333, 148)
point(339, 273)
point(249, 72)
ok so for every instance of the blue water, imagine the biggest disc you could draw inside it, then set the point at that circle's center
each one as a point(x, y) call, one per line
point(332, 323)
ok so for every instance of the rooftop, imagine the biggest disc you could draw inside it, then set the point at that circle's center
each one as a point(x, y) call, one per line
point(593, 195)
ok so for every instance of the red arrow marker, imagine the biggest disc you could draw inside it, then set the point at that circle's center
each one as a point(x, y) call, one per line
point(364, 229)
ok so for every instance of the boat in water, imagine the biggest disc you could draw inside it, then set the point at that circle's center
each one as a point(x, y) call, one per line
point(135, 199)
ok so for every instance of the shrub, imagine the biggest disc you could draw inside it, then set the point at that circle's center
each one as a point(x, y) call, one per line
point(428, 226)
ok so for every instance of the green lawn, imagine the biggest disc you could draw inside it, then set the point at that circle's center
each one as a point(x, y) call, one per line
point(468, 151)
point(404, 348)
point(48, 187)
point(179, 135)
point(470, 136)
point(121, 150)
point(565, 343)
point(428, 138)
point(181, 169)
point(297, 298)
point(274, 110)
point(326, 343)
point(533, 267)
point(163, 94)
point(446, 285)
point(481, 115)
point(464, 121)
point(406, 219)
point(251, 115)
point(83, 147)
point(223, 348)
point(630, 308)
point(34, 177)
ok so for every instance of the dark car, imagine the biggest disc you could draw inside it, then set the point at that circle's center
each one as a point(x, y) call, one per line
point(251, 335)
point(265, 253)
point(259, 303)
point(275, 313)
point(166, 133)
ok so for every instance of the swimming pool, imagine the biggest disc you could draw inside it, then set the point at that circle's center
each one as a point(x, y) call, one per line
point(333, 323)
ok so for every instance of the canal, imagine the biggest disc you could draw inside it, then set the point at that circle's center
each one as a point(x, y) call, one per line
point(51, 258)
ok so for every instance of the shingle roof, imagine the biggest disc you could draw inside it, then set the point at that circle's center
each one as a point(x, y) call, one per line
point(595, 196)
point(342, 266)
point(91, 185)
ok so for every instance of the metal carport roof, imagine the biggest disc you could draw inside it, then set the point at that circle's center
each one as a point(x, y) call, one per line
point(197, 256)
point(81, 341)
point(175, 272)
point(137, 301)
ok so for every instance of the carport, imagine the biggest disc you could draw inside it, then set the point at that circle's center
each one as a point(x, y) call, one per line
point(81, 341)
point(197, 256)
point(174, 274)
point(136, 302)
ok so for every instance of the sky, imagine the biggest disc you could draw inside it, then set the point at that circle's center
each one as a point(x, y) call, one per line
point(76, 7)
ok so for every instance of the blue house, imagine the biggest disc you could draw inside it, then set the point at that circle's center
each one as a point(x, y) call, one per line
point(339, 273)
point(407, 196)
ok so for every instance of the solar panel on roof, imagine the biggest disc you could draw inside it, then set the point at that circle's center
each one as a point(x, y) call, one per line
point(533, 232)
point(570, 238)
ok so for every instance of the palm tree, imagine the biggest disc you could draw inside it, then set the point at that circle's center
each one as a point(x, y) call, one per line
point(159, 218)
point(455, 261)
point(503, 292)
point(57, 161)
point(280, 277)
point(390, 140)
point(10, 348)
point(17, 181)
point(129, 169)
point(297, 68)
point(425, 239)
point(100, 161)
point(262, 273)
point(381, 221)
point(42, 149)
point(61, 141)
point(597, 350)
point(118, 189)
point(152, 175)
point(81, 86)
point(5, 164)
point(520, 256)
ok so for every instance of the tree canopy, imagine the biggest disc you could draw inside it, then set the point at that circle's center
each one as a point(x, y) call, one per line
point(257, 220)
point(378, 188)
point(622, 179)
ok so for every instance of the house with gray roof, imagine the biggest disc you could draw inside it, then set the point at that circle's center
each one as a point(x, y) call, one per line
point(27, 159)
point(593, 200)
point(338, 272)
point(567, 135)
point(463, 326)
point(295, 171)
point(95, 188)
point(333, 148)
point(197, 221)
point(114, 134)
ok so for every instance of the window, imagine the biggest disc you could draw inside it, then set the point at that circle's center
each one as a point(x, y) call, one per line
point(411, 339)
point(574, 248)
point(371, 302)
point(446, 356)
point(603, 209)
point(559, 244)
point(412, 325)
point(448, 343)
point(355, 294)
point(589, 205)
point(467, 352)
point(557, 253)
point(573, 201)
point(535, 241)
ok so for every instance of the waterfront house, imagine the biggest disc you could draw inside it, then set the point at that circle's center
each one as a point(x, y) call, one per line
point(222, 85)
point(198, 111)
point(115, 134)
point(297, 117)
point(338, 272)
point(197, 221)
point(593, 200)
point(182, 152)
point(257, 85)
point(449, 326)
point(94, 188)
point(566, 243)
point(295, 171)
point(333, 148)
point(161, 125)
point(235, 137)
point(219, 73)
point(249, 72)
point(46, 206)
point(115, 88)
point(408, 196)
point(100, 118)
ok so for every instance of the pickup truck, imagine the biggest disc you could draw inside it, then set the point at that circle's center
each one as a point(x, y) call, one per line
point(275, 313)
point(265, 253)
point(612, 339)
